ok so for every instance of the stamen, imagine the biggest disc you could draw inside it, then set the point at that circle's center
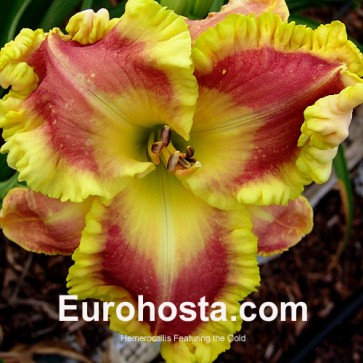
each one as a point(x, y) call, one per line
point(189, 152)
point(184, 163)
point(151, 149)
point(173, 161)
point(165, 135)
point(161, 148)
point(156, 147)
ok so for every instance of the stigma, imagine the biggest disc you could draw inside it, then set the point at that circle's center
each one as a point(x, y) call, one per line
point(161, 148)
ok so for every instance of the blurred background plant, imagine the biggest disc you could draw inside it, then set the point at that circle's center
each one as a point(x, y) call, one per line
point(46, 14)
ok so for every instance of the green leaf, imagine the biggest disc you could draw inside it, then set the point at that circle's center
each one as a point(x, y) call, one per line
point(86, 4)
point(117, 11)
point(5, 171)
point(181, 7)
point(98, 4)
point(34, 14)
point(346, 193)
point(58, 12)
point(201, 8)
point(5, 186)
point(216, 6)
point(11, 12)
point(192, 9)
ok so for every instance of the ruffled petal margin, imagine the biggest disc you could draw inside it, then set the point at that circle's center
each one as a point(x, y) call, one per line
point(325, 127)
point(245, 7)
point(41, 224)
point(275, 101)
point(82, 105)
point(158, 241)
point(279, 227)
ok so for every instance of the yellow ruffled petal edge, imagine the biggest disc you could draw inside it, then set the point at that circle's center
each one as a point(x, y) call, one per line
point(327, 41)
point(280, 227)
point(244, 7)
point(41, 224)
point(78, 157)
point(326, 126)
point(14, 71)
point(309, 162)
point(158, 240)
point(85, 27)
point(88, 27)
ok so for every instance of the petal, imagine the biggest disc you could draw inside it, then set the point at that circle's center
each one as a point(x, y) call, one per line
point(256, 7)
point(156, 239)
point(41, 224)
point(14, 71)
point(87, 124)
point(280, 227)
point(88, 27)
point(257, 76)
point(325, 127)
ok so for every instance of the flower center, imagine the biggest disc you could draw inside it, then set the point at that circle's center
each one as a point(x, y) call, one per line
point(160, 147)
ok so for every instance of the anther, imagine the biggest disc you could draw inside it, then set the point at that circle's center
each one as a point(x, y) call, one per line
point(185, 164)
point(165, 135)
point(173, 161)
point(156, 147)
point(189, 152)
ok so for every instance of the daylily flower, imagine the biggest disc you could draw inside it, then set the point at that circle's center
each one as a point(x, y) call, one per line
point(168, 153)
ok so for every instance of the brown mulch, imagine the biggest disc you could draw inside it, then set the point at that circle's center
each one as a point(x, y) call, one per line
point(29, 302)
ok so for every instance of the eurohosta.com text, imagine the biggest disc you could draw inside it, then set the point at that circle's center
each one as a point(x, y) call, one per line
point(186, 311)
